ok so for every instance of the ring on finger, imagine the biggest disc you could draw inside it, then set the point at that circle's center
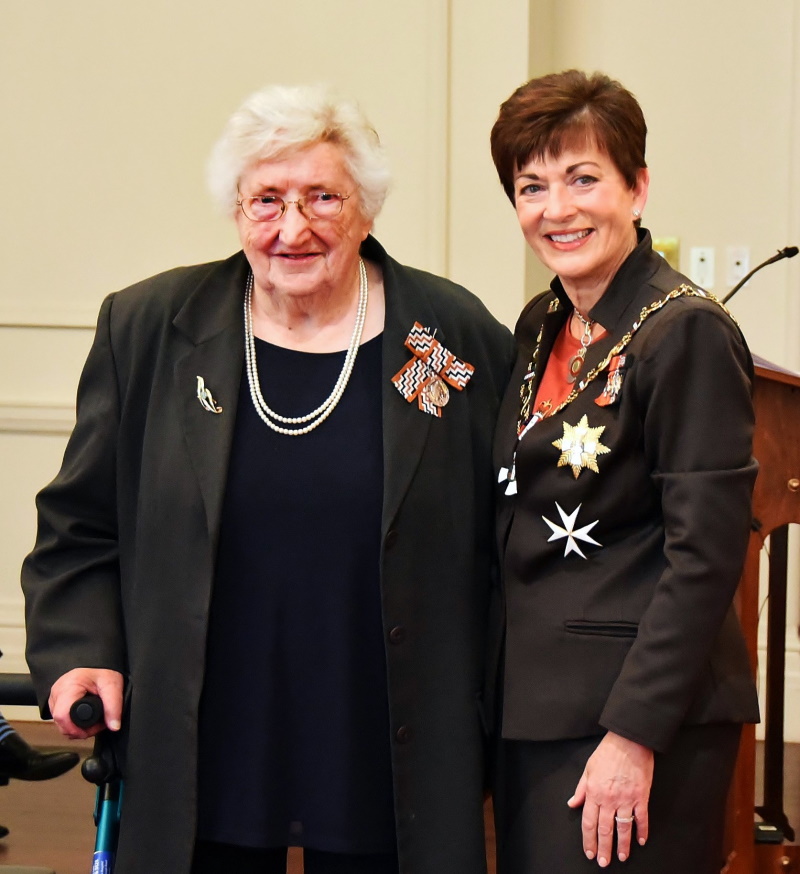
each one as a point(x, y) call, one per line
point(624, 819)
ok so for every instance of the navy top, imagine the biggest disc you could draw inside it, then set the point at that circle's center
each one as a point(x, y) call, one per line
point(294, 742)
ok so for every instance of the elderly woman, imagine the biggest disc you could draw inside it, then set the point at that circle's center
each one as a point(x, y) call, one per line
point(272, 534)
point(625, 469)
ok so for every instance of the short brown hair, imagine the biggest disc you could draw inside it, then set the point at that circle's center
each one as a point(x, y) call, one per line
point(561, 110)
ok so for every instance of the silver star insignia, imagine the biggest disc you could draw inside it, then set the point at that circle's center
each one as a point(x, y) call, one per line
point(568, 531)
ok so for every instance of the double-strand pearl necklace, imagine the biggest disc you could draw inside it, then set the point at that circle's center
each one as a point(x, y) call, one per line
point(318, 416)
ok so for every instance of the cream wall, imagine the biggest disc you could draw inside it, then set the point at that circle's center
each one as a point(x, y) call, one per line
point(109, 112)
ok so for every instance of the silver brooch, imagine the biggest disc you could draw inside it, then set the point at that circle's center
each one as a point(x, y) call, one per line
point(205, 397)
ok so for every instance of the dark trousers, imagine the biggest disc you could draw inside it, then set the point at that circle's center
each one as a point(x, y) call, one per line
point(538, 834)
point(214, 858)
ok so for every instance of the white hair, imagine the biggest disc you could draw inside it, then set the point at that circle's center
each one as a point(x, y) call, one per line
point(280, 120)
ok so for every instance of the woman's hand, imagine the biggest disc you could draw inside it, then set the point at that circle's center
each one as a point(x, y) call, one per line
point(69, 687)
point(614, 790)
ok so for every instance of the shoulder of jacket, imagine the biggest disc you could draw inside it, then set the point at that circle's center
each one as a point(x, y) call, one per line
point(446, 293)
point(686, 304)
point(692, 326)
point(165, 291)
point(458, 308)
point(667, 282)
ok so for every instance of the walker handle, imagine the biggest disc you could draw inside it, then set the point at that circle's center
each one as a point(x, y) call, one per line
point(101, 767)
point(87, 711)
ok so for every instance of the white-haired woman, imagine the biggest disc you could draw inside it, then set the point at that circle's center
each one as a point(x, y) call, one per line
point(273, 529)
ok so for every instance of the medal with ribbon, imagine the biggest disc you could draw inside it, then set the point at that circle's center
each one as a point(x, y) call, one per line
point(613, 386)
point(428, 374)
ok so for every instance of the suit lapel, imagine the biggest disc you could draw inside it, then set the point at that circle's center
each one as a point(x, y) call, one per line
point(509, 411)
point(643, 297)
point(637, 284)
point(405, 426)
point(505, 443)
point(213, 323)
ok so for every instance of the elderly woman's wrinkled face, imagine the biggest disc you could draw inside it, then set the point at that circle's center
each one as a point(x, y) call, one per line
point(298, 255)
point(576, 212)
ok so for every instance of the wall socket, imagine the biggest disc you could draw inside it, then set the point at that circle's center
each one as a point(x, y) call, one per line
point(701, 266)
point(738, 264)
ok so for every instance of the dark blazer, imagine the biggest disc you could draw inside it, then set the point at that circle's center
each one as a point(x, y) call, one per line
point(633, 630)
point(122, 571)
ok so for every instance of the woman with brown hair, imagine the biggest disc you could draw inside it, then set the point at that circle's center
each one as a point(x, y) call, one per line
point(625, 471)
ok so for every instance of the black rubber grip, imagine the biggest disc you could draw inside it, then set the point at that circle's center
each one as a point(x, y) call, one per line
point(87, 711)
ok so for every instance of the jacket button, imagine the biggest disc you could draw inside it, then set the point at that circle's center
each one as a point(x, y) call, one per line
point(397, 634)
point(403, 734)
point(391, 538)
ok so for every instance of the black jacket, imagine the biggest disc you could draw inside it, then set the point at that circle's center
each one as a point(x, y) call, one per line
point(633, 632)
point(122, 571)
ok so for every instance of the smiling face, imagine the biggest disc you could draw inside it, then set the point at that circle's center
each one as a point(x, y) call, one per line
point(294, 256)
point(576, 212)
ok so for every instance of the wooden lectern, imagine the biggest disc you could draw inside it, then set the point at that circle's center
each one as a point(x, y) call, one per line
point(776, 503)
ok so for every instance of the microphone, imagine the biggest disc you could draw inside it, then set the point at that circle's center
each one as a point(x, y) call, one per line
point(786, 252)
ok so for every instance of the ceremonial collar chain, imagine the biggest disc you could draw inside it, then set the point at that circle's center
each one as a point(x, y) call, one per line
point(526, 415)
point(529, 418)
point(318, 416)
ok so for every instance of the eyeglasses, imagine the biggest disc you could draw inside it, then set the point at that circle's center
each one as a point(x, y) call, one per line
point(270, 207)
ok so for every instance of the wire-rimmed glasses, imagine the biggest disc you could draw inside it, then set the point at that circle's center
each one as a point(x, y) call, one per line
point(270, 207)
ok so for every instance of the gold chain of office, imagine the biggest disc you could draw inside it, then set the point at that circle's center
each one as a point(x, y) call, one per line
point(526, 389)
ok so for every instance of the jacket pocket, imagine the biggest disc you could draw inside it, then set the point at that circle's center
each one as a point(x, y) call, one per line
point(607, 628)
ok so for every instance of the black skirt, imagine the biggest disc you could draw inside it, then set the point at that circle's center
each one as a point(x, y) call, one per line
point(538, 834)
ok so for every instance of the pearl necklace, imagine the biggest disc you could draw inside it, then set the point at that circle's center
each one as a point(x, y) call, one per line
point(318, 416)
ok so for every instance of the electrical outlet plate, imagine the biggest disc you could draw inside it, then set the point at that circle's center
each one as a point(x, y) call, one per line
point(737, 259)
point(701, 266)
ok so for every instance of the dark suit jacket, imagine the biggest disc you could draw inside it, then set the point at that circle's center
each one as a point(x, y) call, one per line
point(634, 632)
point(122, 571)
